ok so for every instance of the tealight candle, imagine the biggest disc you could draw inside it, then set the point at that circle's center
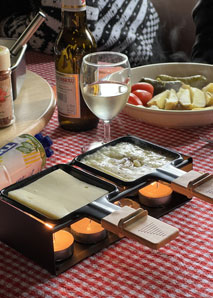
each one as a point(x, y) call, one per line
point(87, 231)
point(127, 202)
point(63, 242)
point(155, 194)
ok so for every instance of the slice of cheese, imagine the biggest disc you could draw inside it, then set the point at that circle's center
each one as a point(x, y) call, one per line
point(57, 194)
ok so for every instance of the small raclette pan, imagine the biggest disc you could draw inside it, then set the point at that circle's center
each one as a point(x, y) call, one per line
point(83, 176)
point(189, 183)
point(177, 161)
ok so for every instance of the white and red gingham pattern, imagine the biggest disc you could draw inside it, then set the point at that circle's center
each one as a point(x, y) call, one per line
point(127, 269)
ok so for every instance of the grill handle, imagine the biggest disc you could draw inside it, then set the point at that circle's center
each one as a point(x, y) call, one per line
point(190, 183)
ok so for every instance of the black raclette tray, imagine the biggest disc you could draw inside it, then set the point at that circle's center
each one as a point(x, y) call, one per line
point(81, 175)
point(177, 161)
point(130, 188)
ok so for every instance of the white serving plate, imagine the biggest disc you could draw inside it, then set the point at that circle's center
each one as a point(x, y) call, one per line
point(172, 118)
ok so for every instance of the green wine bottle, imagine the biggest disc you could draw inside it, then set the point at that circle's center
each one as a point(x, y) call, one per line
point(74, 41)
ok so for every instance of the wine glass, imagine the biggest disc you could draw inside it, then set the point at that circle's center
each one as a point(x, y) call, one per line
point(105, 80)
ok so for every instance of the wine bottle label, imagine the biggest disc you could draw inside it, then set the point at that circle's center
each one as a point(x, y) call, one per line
point(68, 95)
point(73, 5)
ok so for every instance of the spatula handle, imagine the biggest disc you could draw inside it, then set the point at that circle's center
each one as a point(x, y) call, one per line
point(195, 184)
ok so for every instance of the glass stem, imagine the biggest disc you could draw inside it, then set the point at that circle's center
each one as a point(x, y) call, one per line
point(107, 133)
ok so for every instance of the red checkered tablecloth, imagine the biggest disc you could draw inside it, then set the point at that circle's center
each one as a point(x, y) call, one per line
point(183, 268)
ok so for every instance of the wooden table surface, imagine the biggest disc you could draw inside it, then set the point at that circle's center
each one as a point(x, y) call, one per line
point(33, 107)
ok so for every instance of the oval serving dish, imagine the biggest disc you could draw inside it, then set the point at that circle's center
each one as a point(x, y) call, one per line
point(171, 118)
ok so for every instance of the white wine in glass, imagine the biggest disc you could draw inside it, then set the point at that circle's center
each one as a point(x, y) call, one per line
point(105, 81)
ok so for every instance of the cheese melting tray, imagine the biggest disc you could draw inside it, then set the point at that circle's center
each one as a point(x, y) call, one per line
point(24, 229)
point(176, 161)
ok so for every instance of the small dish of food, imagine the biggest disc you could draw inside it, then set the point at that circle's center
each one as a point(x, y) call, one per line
point(182, 95)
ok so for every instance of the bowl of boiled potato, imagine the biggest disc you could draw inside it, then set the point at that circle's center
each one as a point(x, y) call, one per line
point(183, 95)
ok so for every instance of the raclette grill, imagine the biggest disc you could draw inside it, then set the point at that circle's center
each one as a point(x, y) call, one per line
point(104, 205)
point(12, 211)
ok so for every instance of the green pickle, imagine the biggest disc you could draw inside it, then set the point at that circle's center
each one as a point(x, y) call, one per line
point(194, 81)
point(160, 86)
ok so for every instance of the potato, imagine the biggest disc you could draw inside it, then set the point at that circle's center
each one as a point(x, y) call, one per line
point(171, 101)
point(208, 88)
point(198, 98)
point(159, 99)
point(184, 96)
point(154, 107)
point(209, 98)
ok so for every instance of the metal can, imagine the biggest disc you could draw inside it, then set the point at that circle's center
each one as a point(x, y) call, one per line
point(20, 158)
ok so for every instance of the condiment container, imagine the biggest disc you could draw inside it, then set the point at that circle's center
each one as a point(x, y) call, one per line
point(6, 96)
point(18, 65)
point(20, 158)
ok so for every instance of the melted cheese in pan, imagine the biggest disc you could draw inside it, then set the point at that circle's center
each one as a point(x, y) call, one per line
point(126, 161)
point(57, 194)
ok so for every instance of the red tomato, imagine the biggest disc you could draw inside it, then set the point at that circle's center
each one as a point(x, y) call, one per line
point(143, 95)
point(133, 99)
point(143, 86)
